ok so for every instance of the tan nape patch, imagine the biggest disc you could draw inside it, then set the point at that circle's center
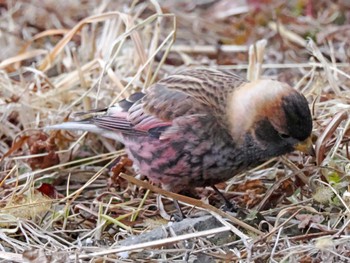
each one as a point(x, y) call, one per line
point(254, 101)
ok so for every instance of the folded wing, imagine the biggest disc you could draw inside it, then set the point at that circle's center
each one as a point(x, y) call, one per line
point(188, 94)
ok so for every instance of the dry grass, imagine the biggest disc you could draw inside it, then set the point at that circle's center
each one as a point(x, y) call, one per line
point(59, 199)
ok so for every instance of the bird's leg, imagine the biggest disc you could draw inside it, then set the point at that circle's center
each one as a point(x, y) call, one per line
point(187, 192)
point(229, 206)
point(179, 216)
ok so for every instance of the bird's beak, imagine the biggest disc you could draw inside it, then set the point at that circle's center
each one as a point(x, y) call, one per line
point(306, 147)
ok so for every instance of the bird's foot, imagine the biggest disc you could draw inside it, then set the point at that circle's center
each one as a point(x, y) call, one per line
point(229, 206)
point(179, 216)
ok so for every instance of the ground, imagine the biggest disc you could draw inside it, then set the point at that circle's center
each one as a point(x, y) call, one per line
point(70, 196)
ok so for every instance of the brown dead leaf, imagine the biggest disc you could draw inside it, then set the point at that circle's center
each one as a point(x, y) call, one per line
point(37, 143)
point(281, 189)
point(40, 142)
point(252, 190)
point(119, 168)
point(15, 146)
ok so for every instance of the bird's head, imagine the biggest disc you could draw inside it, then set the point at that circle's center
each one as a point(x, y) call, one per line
point(276, 116)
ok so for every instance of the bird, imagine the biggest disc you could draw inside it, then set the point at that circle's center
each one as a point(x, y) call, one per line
point(200, 127)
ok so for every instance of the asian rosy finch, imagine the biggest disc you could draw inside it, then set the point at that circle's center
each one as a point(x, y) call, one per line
point(200, 127)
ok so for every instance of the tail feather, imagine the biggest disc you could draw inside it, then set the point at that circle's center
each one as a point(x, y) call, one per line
point(86, 126)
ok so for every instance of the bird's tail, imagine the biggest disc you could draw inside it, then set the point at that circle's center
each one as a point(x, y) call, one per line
point(85, 125)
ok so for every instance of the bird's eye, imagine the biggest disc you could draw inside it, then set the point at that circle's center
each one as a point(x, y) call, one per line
point(284, 136)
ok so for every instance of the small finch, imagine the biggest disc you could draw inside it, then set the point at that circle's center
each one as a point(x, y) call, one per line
point(200, 127)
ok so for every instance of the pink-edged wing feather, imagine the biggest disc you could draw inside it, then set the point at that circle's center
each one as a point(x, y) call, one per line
point(194, 93)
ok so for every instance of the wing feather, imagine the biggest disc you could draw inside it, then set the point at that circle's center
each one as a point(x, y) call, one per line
point(191, 92)
point(195, 92)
